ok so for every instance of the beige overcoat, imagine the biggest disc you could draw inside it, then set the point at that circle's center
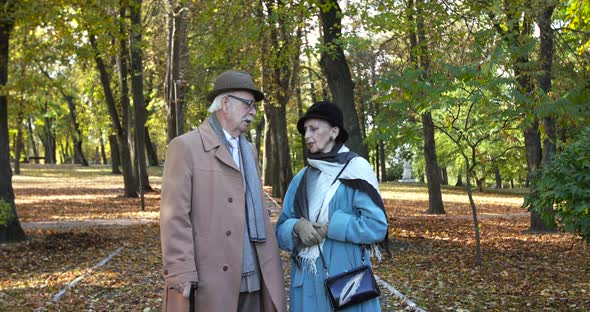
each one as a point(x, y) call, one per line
point(202, 220)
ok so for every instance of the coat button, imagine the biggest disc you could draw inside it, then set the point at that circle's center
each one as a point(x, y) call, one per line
point(225, 268)
point(229, 199)
point(228, 233)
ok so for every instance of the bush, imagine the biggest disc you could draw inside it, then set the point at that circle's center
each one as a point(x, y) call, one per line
point(6, 213)
point(565, 185)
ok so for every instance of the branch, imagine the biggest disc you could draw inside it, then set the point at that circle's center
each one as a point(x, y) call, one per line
point(313, 71)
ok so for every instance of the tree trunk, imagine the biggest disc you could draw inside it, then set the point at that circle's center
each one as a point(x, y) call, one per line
point(176, 67)
point(11, 231)
point(435, 203)
point(115, 161)
point(478, 258)
point(102, 152)
point(498, 177)
point(381, 147)
point(275, 157)
point(32, 136)
point(517, 35)
point(19, 141)
point(151, 149)
point(335, 67)
point(49, 139)
point(258, 142)
point(286, 173)
point(419, 58)
point(445, 176)
point(299, 115)
point(459, 180)
point(79, 157)
point(549, 143)
point(120, 130)
point(137, 92)
point(267, 170)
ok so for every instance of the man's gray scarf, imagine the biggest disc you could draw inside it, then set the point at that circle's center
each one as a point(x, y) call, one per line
point(254, 206)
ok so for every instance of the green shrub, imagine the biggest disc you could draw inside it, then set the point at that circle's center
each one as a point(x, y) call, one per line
point(6, 213)
point(565, 185)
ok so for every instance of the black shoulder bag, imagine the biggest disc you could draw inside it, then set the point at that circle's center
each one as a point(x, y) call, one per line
point(353, 286)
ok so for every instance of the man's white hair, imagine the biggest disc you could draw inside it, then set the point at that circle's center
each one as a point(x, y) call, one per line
point(216, 104)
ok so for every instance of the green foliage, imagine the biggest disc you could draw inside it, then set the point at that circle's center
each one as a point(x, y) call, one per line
point(565, 185)
point(6, 213)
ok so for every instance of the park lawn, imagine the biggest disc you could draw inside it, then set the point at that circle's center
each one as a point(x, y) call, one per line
point(432, 258)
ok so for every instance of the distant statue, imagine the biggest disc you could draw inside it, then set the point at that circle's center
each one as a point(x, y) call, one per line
point(407, 174)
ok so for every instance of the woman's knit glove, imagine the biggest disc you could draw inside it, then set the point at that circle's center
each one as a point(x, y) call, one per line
point(307, 233)
point(322, 229)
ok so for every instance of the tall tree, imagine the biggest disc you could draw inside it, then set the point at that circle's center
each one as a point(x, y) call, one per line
point(176, 66)
point(10, 229)
point(119, 128)
point(137, 91)
point(282, 65)
point(70, 99)
point(32, 138)
point(544, 19)
point(516, 31)
point(335, 68)
point(419, 55)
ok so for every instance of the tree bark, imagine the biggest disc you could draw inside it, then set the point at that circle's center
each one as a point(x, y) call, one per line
point(276, 162)
point(115, 161)
point(284, 79)
point(419, 57)
point(19, 141)
point(258, 142)
point(435, 203)
point(79, 157)
point(32, 137)
point(549, 143)
point(267, 170)
point(300, 114)
point(48, 138)
point(335, 67)
point(102, 152)
point(176, 84)
point(459, 180)
point(478, 258)
point(120, 130)
point(498, 177)
point(152, 154)
point(11, 231)
point(137, 92)
point(445, 176)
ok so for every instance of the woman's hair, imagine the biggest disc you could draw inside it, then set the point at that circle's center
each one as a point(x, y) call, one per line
point(216, 104)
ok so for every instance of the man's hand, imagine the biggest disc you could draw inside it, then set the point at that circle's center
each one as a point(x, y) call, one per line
point(307, 233)
point(184, 289)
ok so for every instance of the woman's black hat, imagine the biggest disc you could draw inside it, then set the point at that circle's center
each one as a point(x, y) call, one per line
point(329, 112)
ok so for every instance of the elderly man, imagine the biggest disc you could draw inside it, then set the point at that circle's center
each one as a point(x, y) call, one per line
point(219, 248)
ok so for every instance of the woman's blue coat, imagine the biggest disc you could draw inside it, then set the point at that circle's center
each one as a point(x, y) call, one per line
point(354, 220)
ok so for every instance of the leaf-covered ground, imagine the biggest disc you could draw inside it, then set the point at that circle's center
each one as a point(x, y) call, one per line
point(432, 261)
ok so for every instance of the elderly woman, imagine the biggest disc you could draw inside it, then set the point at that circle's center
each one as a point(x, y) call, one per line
point(333, 215)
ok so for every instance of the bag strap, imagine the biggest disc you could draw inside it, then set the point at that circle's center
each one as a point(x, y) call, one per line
point(324, 261)
point(319, 248)
point(339, 173)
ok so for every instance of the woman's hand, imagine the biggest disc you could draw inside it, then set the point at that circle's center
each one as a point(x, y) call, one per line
point(307, 232)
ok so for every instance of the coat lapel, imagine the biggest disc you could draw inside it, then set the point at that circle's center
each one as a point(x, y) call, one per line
point(211, 141)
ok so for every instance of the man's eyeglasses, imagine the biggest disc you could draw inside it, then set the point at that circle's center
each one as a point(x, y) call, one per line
point(250, 103)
